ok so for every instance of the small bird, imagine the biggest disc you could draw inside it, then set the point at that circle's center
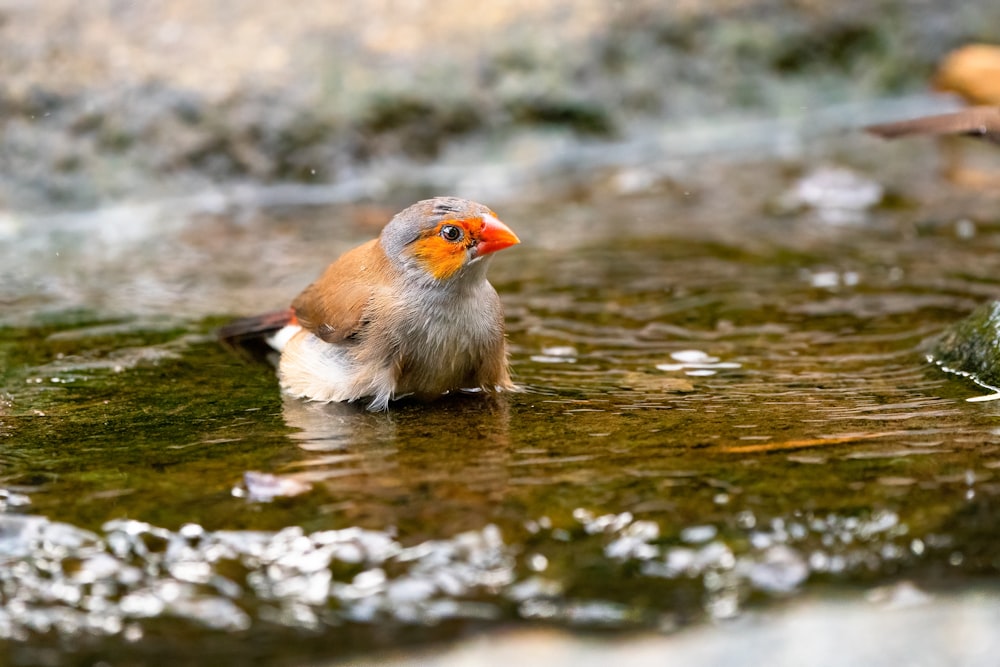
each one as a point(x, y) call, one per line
point(407, 314)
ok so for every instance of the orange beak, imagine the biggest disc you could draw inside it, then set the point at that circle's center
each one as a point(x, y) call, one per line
point(494, 236)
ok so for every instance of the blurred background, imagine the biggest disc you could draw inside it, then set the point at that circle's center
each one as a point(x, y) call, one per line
point(109, 100)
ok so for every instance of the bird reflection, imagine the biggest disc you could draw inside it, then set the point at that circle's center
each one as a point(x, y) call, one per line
point(431, 470)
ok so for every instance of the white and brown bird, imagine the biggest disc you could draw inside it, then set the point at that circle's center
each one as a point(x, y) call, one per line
point(410, 313)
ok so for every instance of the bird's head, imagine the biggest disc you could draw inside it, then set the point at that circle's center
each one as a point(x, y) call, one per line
point(442, 236)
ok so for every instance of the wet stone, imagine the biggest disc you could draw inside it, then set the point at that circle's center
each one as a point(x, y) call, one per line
point(971, 348)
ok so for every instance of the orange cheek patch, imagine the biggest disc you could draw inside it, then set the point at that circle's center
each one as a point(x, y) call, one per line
point(440, 258)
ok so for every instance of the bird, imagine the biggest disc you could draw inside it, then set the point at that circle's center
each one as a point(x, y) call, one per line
point(407, 314)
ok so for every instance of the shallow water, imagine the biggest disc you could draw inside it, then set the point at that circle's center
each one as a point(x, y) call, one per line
point(725, 403)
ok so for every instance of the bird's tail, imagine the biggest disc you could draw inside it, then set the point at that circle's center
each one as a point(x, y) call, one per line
point(249, 336)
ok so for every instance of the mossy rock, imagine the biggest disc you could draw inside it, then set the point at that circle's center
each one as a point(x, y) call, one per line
point(972, 347)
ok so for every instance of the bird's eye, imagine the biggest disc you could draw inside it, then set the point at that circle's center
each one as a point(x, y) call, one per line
point(451, 233)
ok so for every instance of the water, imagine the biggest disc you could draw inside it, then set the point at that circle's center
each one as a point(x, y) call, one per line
point(725, 405)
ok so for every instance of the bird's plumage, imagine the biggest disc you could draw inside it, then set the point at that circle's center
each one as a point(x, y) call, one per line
point(332, 308)
point(409, 313)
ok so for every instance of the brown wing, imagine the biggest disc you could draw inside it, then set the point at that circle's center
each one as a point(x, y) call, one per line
point(334, 306)
point(981, 121)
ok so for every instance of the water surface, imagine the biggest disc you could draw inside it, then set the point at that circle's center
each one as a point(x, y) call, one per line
point(725, 404)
